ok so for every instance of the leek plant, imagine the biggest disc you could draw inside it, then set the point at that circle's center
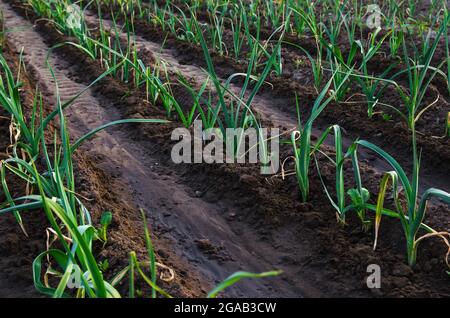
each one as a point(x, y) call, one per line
point(369, 84)
point(216, 30)
point(316, 28)
point(197, 98)
point(302, 148)
point(395, 40)
point(252, 21)
point(298, 23)
point(275, 13)
point(187, 24)
point(359, 195)
point(341, 85)
point(420, 73)
point(236, 22)
point(412, 215)
point(394, 23)
point(411, 10)
point(335, 56)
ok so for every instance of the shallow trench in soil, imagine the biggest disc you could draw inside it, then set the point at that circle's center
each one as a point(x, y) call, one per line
point(180, 216)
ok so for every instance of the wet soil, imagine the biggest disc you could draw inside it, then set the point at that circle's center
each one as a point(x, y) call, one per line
point(211, 220)
point(17, 250)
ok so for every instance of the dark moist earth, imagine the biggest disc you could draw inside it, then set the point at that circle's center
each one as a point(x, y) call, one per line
point(208, 220)
point(17, 251)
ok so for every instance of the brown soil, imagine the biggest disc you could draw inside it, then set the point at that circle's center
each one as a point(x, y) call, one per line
point(210, 220)
point(352, 117)
point(17, 250)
